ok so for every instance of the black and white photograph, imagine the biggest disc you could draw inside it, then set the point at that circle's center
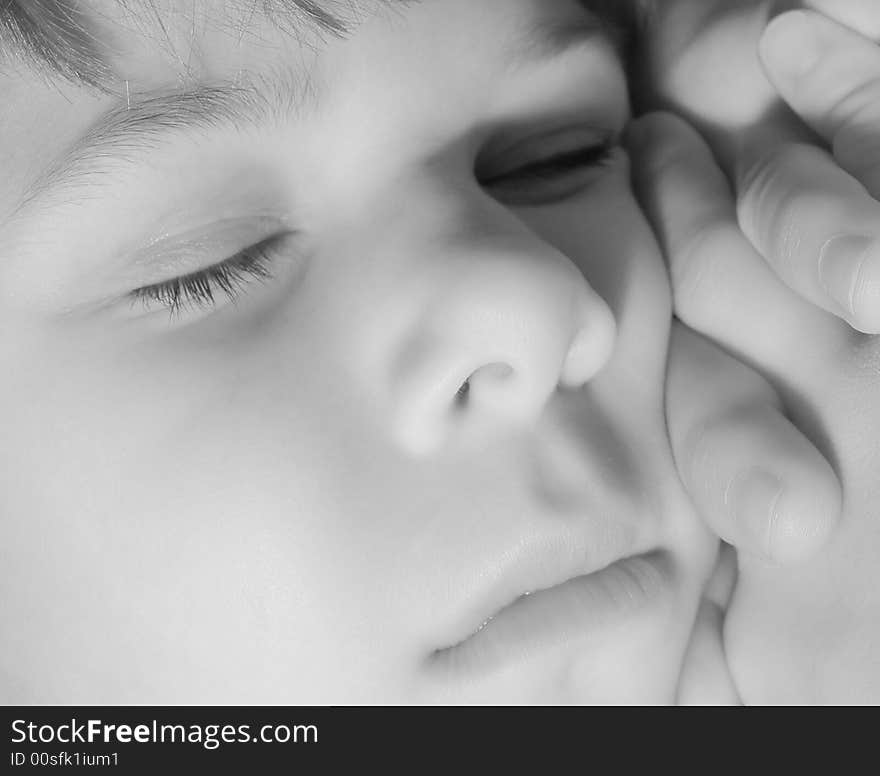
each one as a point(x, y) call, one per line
point(433, 353)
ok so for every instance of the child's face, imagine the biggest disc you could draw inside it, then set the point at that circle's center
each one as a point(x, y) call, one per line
point(312, 493)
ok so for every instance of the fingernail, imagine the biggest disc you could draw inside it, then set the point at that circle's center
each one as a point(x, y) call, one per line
point(840, 264)
point(791, 45)
point(756, 497)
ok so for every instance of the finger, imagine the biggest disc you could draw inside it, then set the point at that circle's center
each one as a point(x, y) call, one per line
point(830, 76)
point(722, 286)
point(719, 590)
point(860, 15)
point(818, 228)
point(705, 678)
point(753, 477)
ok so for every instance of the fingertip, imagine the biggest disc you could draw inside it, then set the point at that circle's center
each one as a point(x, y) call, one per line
point(866, 295)
point(654, 132)
point(786, 503)
point(674, 172)
point(849, 268)
point(790, 46)
point(802, 518)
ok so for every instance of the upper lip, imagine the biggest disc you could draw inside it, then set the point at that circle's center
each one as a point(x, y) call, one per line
point(583, 511)
point(540, 563)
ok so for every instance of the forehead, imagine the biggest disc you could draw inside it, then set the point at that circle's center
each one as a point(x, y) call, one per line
point(105, 42)
point(465, 47)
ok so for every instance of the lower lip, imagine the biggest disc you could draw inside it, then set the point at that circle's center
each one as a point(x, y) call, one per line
point(571, 612)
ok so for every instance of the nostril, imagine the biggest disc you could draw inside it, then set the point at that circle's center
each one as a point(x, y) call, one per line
point(424, 421)
point(461, 396)
point(472, 366)
point(485, 385)
point(492, 377)
point(499, 388)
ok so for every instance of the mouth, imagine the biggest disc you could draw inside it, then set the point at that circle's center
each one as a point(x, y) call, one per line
point(569, 613)
point(586, 557)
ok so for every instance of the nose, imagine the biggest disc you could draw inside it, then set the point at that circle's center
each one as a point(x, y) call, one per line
point(508, 322)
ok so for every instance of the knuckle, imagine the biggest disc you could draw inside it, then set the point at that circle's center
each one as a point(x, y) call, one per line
point(766, 190)
point(856, 110)
point(772, 164)
point(779, 197)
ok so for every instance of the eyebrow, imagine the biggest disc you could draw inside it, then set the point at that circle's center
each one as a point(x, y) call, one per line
point(134, 129)
point(145, 123)
point(615, 22)
point(550, 39)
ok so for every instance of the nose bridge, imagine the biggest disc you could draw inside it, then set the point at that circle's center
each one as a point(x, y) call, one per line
point(506, 322)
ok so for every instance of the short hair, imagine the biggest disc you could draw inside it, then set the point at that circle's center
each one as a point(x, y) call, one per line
point(57, 37)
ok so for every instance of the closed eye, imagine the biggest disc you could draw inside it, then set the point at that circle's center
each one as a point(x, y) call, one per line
point(544, 172)
point(225, 281)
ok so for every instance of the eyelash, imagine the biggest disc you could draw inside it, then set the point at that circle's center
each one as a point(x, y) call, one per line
point(198, 289)
point(597, 155)
point(232, 276)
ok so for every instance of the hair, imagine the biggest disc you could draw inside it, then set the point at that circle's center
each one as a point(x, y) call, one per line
point(57, 37)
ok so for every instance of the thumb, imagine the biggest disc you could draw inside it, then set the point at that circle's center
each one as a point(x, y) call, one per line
point(755, 479)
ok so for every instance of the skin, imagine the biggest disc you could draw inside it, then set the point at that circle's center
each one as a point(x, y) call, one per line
point(806, 633)
point(292, 492)
point(283, 499)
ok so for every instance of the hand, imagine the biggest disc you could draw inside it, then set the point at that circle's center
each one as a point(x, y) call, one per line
point(756, 480)
point(815, 218)
point(700, 60)
point(715, 77)
point(705, 678)
point(753, 477)
point(805, 633)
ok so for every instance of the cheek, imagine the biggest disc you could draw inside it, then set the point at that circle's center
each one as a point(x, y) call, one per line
point(193, 492)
